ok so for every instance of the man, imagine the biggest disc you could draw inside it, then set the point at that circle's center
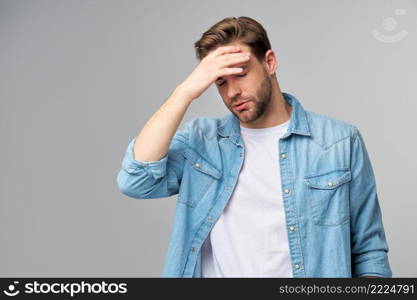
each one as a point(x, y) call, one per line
point(270, 190)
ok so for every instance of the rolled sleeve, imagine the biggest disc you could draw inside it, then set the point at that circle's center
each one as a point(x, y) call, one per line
point(156, 169)
point(154, 179)
point(369, 248)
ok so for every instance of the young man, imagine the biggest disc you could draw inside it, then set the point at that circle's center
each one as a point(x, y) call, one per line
point(270, 190)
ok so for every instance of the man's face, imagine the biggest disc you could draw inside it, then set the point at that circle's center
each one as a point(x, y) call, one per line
point(253, 84)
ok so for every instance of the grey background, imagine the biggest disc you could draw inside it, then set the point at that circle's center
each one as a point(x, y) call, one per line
point(79, 79)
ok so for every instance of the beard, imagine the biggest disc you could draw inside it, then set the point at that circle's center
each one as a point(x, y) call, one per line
point(259, 104)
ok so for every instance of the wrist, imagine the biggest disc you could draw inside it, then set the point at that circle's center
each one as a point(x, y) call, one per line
point(182, 93)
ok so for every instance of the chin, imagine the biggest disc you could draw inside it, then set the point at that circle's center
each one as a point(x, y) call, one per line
point(246, 118)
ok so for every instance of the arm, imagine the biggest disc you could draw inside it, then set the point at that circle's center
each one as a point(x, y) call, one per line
point(153, 162)
point(368, 242)
point(153, 140)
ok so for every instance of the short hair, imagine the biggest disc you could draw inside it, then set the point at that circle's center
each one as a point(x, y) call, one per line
point(243, 29)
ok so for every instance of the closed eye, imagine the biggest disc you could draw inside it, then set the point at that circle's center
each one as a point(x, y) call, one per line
point(243, 75)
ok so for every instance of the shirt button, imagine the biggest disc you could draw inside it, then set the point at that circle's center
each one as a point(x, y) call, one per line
point(209, 219)
point(284, 155)
point(286, 191)
point(292, 228)
point(241, 154)
point(330, 183)
point(297, 266)
point(192, 249)
point(197, 165)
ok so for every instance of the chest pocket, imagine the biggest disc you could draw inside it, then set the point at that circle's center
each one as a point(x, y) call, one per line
point(198, 178)
point(328, 197)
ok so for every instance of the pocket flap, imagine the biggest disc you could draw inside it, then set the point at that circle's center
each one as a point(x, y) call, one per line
point(200, 164)
point(328, 180)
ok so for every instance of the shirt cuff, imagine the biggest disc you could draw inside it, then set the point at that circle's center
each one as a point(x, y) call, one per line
point(156, 169)
point(373, 268)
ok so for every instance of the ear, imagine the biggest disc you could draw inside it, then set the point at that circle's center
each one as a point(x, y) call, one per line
point(270, 62)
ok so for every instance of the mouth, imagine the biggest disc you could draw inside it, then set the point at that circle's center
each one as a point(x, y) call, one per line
point(241, 105)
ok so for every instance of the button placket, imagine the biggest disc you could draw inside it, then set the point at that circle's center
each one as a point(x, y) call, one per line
point(288, 194)
point(228, 187)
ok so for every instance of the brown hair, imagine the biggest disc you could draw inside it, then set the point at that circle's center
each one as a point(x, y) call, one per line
point(242, 29)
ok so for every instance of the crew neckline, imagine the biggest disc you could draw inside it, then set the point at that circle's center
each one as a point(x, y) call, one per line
point(265, 131)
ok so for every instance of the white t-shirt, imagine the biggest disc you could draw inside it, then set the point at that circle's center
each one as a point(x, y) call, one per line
point(250, 237)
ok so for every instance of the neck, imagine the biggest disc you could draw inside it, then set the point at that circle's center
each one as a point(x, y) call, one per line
point(277, 112)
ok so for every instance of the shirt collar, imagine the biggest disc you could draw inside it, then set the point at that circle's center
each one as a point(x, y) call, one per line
point(229, 125)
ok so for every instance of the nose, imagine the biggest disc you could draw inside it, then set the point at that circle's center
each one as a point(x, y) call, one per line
point(233, 90)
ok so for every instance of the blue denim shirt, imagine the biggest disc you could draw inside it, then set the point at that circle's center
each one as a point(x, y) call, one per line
point(333, 218)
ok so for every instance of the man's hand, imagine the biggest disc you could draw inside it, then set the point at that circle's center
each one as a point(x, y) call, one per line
point(216, 64)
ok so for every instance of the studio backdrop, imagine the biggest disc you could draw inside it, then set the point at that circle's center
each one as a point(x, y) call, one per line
point(79, 79)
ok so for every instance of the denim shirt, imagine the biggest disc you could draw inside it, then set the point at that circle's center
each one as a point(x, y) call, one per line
point(332, 213)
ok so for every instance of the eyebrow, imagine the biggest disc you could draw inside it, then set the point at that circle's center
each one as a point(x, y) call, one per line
point(244, 69)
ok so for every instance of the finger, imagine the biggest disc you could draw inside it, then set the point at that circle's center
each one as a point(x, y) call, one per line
point(234, 58)
point(227, 49)
point(230, 71)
